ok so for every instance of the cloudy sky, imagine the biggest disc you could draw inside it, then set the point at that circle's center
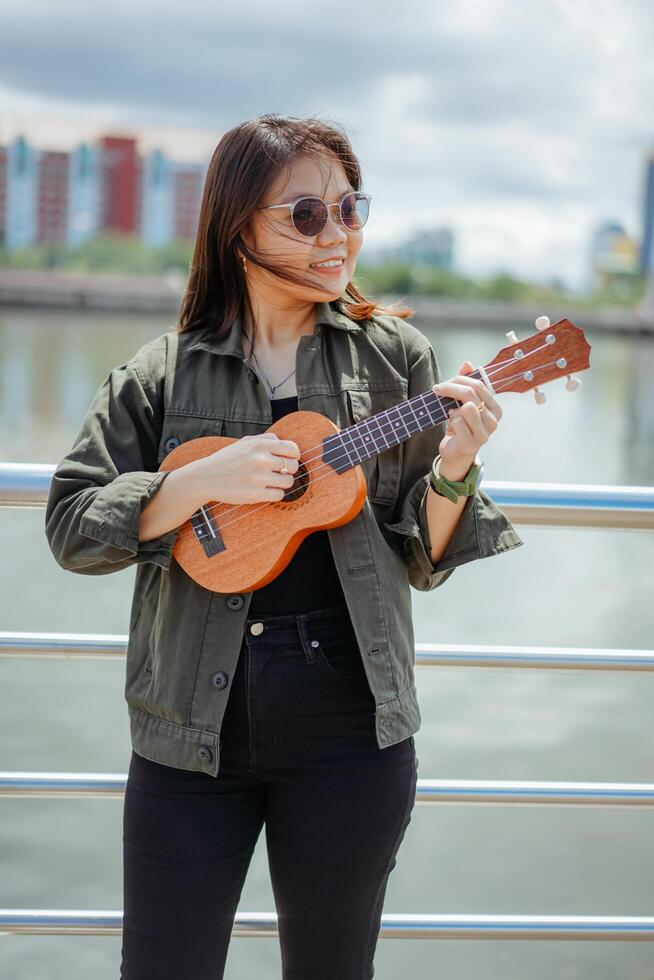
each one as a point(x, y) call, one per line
point(521, 125)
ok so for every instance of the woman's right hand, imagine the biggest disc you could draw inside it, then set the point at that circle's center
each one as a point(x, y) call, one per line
point(247, 470)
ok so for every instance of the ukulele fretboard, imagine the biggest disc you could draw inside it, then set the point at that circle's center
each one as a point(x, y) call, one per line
point(380, 432)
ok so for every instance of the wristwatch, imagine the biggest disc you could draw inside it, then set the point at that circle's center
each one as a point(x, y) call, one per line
point(453, 489)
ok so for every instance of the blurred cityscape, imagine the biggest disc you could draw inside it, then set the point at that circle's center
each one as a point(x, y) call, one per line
point(105, 207)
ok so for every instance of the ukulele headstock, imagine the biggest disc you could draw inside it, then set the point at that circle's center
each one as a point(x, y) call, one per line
point(554, 351)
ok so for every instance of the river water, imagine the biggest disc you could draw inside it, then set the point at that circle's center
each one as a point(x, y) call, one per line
point(573, 587)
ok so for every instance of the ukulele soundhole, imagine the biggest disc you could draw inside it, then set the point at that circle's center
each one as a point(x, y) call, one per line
point(299, 487)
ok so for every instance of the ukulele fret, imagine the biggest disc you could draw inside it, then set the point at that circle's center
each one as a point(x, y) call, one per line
point(369, 437)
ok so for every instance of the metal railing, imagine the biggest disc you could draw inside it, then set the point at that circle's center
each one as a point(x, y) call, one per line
point(544, 504)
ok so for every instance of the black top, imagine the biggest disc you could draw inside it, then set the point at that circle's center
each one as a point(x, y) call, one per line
point(310, 580)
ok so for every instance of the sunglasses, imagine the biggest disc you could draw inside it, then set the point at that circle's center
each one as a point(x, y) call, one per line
point(309, 214)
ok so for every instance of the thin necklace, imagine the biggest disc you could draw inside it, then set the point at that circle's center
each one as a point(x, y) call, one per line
point(273, 388)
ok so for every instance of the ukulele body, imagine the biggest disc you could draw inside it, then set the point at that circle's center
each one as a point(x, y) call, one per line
point(230, 547)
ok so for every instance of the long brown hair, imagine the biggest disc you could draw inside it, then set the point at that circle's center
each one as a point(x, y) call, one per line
point(247, 160)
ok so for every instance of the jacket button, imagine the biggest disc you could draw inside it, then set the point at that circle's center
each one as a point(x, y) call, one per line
point(219, 680)
point(172, 443)
point(235, 601)
point(205, 753)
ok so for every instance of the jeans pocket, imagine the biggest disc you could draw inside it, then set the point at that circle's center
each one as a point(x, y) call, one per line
point(340, 655)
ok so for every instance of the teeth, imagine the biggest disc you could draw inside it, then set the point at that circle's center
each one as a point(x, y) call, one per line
point(326, 265)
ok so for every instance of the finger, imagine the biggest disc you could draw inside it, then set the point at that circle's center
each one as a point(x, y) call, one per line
point(464, 434)
point(276, 463)
point(286, 448)
point(473, 390)
point(476, 420)
point(281, 481)
point(462, 391)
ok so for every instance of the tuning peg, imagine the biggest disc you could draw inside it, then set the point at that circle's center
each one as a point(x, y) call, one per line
point(512, 337)
point(542, 322)
point(572, 383)
point(539, 396)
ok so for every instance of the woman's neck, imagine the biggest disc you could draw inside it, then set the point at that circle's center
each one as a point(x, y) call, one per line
point(275, 326)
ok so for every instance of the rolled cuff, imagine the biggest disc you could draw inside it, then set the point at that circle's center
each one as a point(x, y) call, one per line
point(114, 517)
point(481, 531)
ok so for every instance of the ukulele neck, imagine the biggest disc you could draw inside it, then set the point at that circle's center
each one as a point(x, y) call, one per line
point(376, 434)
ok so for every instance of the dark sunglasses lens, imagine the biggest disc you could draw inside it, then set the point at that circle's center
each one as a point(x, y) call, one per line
point(354, 209)
point(310, 216)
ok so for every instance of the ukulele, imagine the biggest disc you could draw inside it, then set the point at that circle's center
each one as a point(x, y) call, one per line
point(227, 547)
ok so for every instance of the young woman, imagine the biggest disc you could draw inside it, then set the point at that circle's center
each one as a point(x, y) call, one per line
point(293, 706)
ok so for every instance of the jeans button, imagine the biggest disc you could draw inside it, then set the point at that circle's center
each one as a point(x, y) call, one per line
point(235, 602)
point(205, 753)
point(257, 629)
point(219, 680)
point(172, 443)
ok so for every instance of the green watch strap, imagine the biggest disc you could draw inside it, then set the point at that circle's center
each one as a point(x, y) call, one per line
point(453, 489)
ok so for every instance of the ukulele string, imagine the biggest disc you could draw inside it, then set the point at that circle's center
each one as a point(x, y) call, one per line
point(496, 370)
point(210, 510)
point(302, 485)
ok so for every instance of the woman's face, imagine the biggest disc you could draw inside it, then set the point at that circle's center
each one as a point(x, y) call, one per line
point(274, 235)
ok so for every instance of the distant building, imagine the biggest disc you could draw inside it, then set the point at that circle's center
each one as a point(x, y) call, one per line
point(187, 195)
point(120, 185)
point(614, 255)
point(430, 247)
point(84, 195)
point(51, 196)
point(69, 197)
point(20, 195)
point(3, 193)
point(156, 194)
point(647, 247)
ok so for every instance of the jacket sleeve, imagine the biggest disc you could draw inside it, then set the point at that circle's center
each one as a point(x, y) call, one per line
point(482, 529)
point(98, 490)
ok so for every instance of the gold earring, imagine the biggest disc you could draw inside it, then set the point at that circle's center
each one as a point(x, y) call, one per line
point(245, 263)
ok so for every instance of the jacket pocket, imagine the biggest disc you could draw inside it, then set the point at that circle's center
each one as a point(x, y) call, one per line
point(179, 427)
point(382, 472)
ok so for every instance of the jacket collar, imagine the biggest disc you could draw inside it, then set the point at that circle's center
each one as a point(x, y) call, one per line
point(230, 343)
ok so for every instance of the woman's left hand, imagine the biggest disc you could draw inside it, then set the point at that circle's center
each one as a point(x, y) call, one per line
point(468, 428)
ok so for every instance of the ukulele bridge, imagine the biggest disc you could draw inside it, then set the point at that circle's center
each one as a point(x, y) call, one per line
point(207, 532)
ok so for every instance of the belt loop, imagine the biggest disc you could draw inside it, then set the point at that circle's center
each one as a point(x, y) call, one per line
point(303, 630)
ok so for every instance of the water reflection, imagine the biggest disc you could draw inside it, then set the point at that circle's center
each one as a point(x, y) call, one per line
point(53, 362)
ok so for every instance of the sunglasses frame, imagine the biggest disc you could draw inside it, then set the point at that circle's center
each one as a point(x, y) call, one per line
point(334, 204)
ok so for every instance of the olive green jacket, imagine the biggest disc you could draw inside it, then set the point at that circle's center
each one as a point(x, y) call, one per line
point(184, 640)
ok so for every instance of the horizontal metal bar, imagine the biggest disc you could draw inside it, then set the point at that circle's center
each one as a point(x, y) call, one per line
point(25, 484)
point(26, 644)
point(545, 504)
point(535, 657)
point(97, 784)
point(40, 922)
point(574, 504)
point(113, 645)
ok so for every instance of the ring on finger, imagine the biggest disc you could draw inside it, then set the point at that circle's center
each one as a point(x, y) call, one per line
point(284, 468)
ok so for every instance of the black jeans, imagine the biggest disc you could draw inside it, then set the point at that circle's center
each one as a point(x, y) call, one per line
point(298, 752)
